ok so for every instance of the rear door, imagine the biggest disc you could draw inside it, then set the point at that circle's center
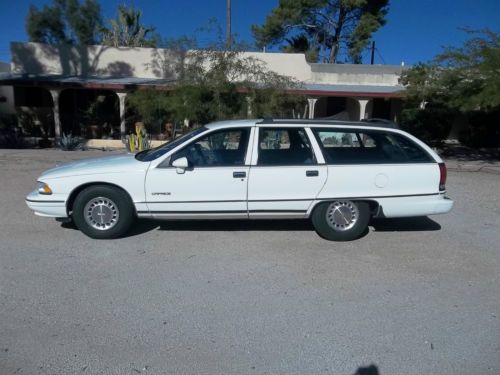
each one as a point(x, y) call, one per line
point(285, 176)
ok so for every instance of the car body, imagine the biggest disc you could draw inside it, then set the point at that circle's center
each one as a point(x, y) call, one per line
point(339, 174)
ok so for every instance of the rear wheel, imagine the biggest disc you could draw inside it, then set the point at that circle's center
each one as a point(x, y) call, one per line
point(103, 212)
point(341, 220)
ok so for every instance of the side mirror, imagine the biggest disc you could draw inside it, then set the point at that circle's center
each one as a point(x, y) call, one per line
point(180, 164)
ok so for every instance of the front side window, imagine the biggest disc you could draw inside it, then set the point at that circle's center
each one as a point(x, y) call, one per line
point(284, 146)
point(152, 154)
point(350, 146)
point(221, 148)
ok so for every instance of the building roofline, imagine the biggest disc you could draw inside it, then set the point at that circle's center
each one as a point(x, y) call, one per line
point(133, 83)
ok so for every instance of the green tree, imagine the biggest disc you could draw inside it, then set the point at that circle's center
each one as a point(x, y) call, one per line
point(300, 44)
point(216, 84)
point(127, 31)
point(65, 21)
point(465, 78)
point(331, 27)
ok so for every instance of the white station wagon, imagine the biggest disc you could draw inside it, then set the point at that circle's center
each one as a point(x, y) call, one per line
point(338, 174)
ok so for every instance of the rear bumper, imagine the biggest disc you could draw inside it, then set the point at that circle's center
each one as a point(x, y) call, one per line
point(416, 206)
point(48, 206)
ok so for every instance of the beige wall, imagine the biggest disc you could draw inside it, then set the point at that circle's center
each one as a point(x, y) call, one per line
point(352, 74)
point(36, 58)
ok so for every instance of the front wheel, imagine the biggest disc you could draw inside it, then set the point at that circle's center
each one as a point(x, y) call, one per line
point(103, 212)
point(341, 220)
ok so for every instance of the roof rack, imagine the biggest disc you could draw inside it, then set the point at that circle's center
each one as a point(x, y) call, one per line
point(375, 122)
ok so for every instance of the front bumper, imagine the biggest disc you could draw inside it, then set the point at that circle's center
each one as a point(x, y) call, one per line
point(46, 205)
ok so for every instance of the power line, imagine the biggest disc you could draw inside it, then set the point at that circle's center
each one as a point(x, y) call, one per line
point(380, 55)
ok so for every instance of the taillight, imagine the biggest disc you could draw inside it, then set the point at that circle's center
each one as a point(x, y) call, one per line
point(442, 177)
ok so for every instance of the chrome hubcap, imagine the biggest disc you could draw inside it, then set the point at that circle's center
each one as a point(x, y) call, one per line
point(342, 215)
point(101, 213)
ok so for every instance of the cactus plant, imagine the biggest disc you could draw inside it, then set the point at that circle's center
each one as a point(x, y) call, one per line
point(139, 141)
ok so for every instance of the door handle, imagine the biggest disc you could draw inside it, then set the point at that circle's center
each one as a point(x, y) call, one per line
point(312, 173)
point(239, 174)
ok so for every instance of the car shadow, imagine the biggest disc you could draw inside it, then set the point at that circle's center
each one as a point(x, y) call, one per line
point(142, 226)
point(236, 225)
point(370, 370)
point(404, 224)
point(147, 225)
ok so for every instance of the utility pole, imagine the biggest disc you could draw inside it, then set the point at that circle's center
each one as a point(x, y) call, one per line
point(372, 60)
point(229, 38)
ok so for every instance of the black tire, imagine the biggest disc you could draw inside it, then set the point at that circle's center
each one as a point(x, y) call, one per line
point(323, 219)
point(118, 212)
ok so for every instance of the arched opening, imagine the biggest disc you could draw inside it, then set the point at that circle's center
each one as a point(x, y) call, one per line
point(353, 109)
point(34, 108)
point(92, 114)
point(329, 106)
point(381, 108)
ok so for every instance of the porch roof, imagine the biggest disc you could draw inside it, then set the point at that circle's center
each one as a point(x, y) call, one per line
point(132, 83)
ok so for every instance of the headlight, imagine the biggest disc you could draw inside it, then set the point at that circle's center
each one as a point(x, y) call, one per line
point(43, 188)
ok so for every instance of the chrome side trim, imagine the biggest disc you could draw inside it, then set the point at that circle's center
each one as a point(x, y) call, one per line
point(278, 215)
point(193, 216)
point(42, 201)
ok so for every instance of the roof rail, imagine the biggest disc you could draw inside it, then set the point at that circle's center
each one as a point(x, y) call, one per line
point(381, 122)
point(375, 122)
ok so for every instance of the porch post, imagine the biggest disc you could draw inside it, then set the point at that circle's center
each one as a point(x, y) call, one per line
point(57, 121)
point(249, 100)
point(363, 106)
point(312, 105)
point(121, 97)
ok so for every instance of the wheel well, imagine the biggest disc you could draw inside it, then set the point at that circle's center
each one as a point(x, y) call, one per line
point(76, 191)
point(374, 205)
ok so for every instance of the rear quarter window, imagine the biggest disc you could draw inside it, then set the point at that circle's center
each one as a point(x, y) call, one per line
point(352, 146)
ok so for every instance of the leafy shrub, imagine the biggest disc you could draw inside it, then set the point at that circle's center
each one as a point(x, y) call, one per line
point(430, 125)
point(8, 121)
point(483, 130)
point(68, 142)
point(12, 138)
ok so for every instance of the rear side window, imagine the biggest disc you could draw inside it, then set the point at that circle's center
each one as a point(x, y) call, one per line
point(284, 146)
point(350, 146)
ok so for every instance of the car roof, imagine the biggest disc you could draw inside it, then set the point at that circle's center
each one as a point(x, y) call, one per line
point(374, 122)
point(231, 124)
point(380, 124)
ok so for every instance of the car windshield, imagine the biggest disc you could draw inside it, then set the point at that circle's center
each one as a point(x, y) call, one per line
point(152, 154)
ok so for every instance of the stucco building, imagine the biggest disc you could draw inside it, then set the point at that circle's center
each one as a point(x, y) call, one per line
point(50, 83)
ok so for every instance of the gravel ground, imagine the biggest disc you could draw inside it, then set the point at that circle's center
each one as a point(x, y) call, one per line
point(414, 296)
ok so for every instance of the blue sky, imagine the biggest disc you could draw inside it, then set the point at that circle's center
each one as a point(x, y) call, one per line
point(415, 30)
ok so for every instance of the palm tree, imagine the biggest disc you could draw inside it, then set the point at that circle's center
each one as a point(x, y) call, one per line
point(126, 30)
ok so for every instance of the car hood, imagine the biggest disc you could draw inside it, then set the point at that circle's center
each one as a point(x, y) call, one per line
point(108, 164)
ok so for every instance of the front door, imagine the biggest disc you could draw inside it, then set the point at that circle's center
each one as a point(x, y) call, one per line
point(285, 178)
point(214, 184)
